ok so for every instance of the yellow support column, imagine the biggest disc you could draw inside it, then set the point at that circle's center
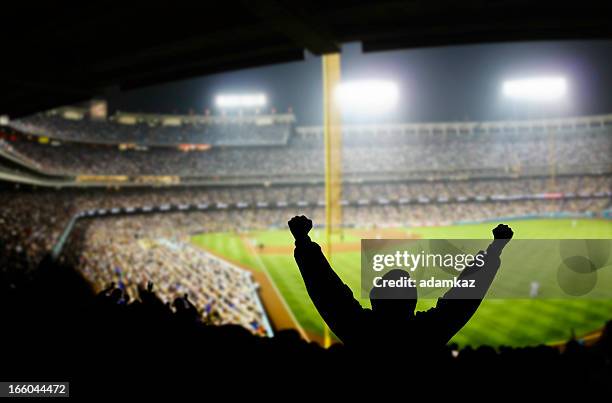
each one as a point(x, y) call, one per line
point(332, 129)
point(552, 162)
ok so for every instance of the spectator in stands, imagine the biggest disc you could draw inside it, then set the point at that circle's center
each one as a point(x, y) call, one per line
point(392, 318)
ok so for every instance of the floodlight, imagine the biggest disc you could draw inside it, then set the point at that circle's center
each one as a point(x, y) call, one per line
point(368, 96)
point(240, 100)
point(544, 89)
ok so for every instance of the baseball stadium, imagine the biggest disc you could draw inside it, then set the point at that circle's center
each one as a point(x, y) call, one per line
point(241, 219)
point(149, 209)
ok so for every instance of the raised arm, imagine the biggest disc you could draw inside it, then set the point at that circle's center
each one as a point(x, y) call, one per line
point(332, 298)
point(459, 304)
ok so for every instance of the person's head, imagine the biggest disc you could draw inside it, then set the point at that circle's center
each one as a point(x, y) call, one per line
point(394, 299)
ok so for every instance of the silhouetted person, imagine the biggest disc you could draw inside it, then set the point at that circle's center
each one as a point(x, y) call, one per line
point(392, 321)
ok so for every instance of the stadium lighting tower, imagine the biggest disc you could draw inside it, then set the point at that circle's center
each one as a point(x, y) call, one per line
point(537, 89)
point(367, 96)
point(241, 100)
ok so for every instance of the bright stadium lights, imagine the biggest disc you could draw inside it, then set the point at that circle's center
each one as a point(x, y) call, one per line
point(368, 96)
point(240, 100)
point(539, 89)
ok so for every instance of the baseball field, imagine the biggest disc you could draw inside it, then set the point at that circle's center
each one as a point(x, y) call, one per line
point(516, 322)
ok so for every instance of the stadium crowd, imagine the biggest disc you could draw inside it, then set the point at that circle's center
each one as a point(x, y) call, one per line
point(222, 131)
point(132, 251)
point(304, 156)
point(251, 195)
point(230, 208)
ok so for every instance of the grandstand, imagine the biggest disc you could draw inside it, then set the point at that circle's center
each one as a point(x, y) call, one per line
point(130, 253)
point(438, 150)
point(149, 202)
point(76, 125)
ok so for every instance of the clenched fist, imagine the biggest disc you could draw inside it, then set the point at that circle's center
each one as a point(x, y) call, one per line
point(300, 226)
point(502, 231)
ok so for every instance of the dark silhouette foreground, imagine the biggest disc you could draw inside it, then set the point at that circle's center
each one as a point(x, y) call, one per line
point(392, 321)
point(107, 345)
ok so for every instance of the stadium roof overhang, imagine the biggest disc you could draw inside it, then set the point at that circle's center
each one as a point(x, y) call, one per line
point(55, 56)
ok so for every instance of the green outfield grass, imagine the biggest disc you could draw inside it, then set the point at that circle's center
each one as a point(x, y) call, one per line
point(497, 322)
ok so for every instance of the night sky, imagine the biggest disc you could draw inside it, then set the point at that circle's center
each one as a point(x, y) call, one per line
point(436, 84)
